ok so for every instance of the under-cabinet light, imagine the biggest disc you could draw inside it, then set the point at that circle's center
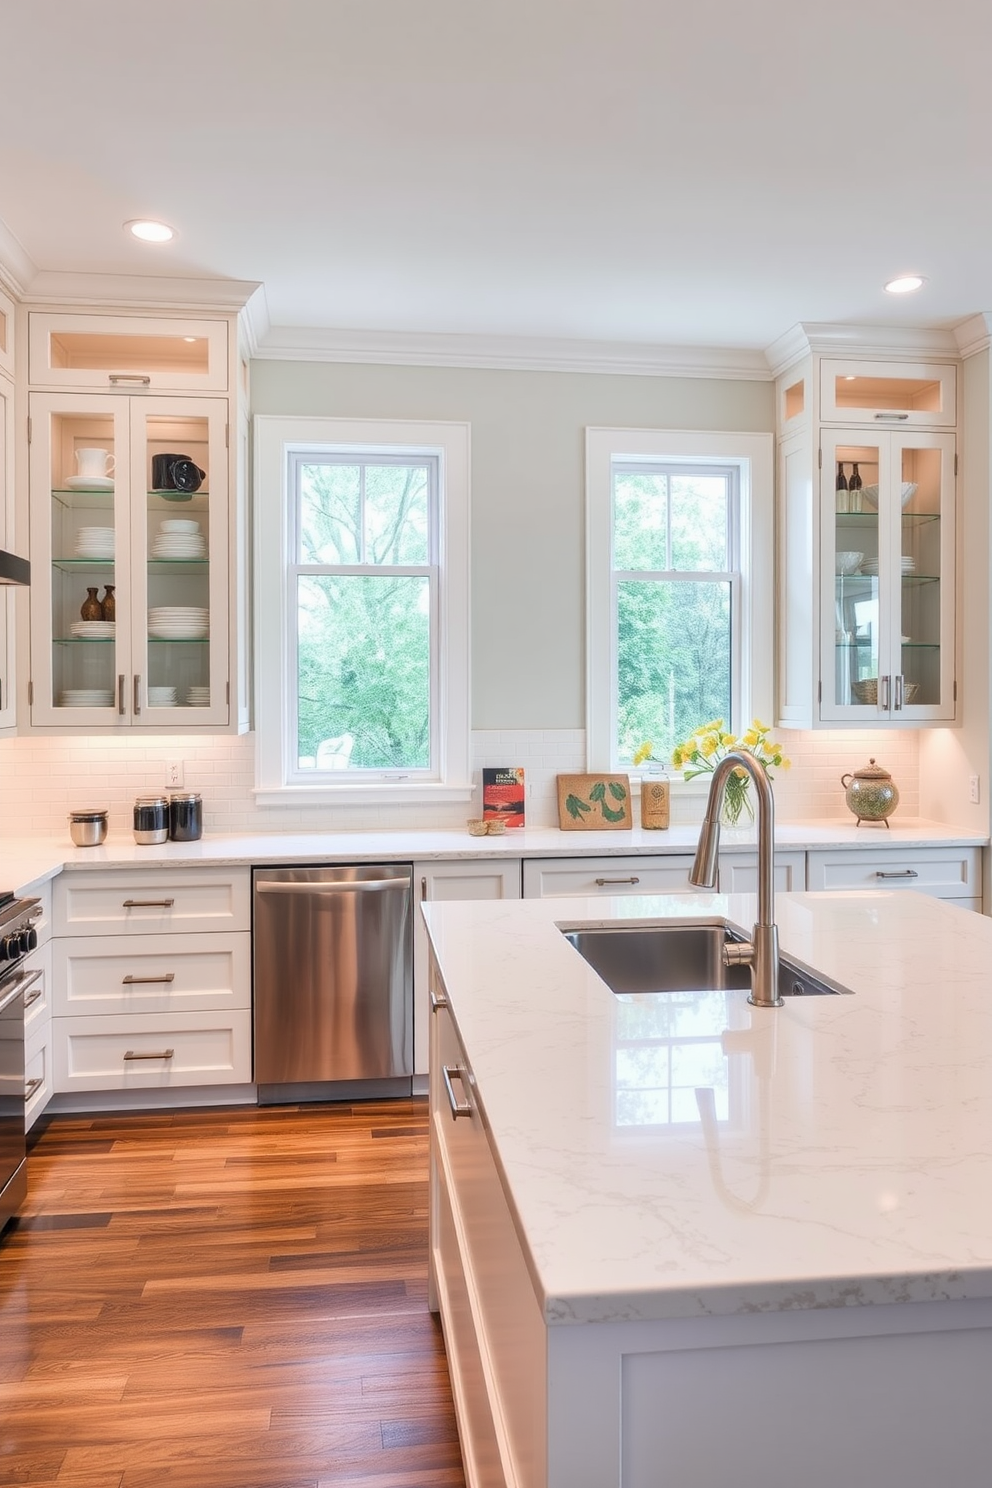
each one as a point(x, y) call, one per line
point(905, 284)
point(149, 231)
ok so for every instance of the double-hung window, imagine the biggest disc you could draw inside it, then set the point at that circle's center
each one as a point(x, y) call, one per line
point(680, 591)
point(361, 609)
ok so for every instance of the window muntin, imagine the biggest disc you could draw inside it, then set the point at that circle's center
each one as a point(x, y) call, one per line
point(364, 639)
point(675, 601)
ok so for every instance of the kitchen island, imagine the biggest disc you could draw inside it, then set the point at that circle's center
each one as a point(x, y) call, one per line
point(678, 1240)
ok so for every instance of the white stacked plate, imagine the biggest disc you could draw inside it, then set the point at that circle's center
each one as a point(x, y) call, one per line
point(168, 546)
point(95, 542)
point(93, 630)
point(179, 622)
point(163, 697)
point(184, 525)
point(86, 697)
point(198, 697)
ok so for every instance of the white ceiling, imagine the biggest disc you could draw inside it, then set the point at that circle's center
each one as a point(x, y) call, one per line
point(664, 172)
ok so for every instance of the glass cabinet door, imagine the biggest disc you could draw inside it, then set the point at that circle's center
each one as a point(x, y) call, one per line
point(179, 562)
point(79, 540)
point(887, 566)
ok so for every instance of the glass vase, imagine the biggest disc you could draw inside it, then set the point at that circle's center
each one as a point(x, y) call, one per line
point(738, 803)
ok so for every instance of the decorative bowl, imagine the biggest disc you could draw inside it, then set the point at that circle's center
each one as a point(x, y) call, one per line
point(848, 563)
point(870, 493)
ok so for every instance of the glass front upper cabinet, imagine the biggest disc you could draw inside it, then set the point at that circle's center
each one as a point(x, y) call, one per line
point(887, 578)
point(918, 395)
point(129, 616)
point(127, 353)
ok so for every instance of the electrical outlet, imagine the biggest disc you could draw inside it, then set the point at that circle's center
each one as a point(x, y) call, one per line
point(974, 792)
point(174, 773)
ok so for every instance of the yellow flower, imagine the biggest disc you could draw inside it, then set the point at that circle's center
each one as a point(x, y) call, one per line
point(729, 740)
point(643, 753)
point(677, 756)
point(709, 746)
point(752, 738)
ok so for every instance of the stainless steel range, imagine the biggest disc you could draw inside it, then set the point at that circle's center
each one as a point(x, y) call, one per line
point(18, 937)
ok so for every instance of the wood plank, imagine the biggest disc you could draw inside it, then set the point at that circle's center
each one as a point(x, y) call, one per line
point(230, 1297)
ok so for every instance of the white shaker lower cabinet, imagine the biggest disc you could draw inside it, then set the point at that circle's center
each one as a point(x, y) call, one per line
point(152, 979)
point(953, 873)
point(458, 878)
point(739, 872)
point(552, 878)
point(38, 1082)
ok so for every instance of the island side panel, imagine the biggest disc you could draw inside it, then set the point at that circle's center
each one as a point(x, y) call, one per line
point(493, 1324)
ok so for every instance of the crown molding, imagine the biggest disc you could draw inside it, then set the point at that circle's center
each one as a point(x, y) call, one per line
point(17, 268)
point(875, 341)
point(974, 334)
point(509, 353)
point(138, 291)
point(255, 321)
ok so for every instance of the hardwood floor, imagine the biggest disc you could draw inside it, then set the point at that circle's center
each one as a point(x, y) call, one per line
point(225, 1298)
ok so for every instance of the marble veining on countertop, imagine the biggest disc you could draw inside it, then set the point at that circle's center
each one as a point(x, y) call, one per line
point(29, 861)
point(690, 1155)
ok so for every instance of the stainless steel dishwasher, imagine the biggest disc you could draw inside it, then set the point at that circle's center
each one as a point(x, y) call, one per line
point(333, 973)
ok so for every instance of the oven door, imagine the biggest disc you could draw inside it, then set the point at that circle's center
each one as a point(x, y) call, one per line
point(13, 1177)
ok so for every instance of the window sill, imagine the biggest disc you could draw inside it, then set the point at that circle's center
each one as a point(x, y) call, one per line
point(379, 793)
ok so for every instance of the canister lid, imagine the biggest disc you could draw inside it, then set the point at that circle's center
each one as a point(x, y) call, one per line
point(151, 800)
point(89, 813)
point(184, 796)
point(871, 771)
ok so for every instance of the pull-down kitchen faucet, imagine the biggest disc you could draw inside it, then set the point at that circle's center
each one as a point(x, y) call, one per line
point(760, 953)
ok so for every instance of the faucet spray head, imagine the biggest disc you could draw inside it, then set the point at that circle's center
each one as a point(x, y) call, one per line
point(704, 867)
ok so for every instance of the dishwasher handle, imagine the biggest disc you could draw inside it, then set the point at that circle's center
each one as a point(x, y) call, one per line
point(344, 886)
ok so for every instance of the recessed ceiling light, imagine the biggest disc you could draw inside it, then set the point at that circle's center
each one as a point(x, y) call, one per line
point(191, 339)
point(149, 231)
point(905, 284)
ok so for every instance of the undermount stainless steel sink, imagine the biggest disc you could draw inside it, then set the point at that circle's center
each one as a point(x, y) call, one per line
point(682, 958)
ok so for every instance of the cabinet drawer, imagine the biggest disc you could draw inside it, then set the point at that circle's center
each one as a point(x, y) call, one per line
point(158, 974)
point(548, 878)
point(148, 902)
point(739, 872)
point(945, 872)
point(127, 353)
point(37, 989)
point(152, 1050)
point(37, 1076)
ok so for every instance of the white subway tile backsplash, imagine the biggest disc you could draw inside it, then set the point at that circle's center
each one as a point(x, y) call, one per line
point(42, 779)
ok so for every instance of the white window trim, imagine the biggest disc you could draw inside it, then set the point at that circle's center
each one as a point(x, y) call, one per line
point(754, 457)
point(275, 436)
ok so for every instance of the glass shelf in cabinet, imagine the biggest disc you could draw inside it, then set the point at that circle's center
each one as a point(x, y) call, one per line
point(75, 499)
point(191, 641)
point(69, 565)
point(179, 565)
point(83, 640)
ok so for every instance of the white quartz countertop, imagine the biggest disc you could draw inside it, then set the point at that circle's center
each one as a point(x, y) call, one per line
point(25, 863)
point(850, 1158)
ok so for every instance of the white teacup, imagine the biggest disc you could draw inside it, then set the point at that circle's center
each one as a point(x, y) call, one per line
point(95, 463)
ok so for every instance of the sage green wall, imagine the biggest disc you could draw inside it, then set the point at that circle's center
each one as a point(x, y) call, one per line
point(528, 497)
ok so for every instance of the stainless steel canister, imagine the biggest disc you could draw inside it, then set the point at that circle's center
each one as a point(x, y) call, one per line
point(151, 819)
point(185, 816)
point(88, 826)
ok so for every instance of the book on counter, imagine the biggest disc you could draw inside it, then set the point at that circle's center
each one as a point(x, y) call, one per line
point(503, 795)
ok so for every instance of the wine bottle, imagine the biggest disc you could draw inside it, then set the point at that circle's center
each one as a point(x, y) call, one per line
point(854, 488)
point(843, 490)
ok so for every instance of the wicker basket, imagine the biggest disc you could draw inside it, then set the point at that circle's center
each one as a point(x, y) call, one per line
point(867, 691)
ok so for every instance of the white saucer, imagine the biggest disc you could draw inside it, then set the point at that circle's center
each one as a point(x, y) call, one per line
point(89, 483)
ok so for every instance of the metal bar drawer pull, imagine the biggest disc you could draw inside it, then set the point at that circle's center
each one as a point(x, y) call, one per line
point(164, 1054)
point(32, 1085)
point(133, 981)
point(897, 873)
point(602, 881)
point(148, 903)
point(452, 1072)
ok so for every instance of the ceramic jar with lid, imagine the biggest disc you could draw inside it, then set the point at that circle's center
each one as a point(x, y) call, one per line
point(870, 793)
